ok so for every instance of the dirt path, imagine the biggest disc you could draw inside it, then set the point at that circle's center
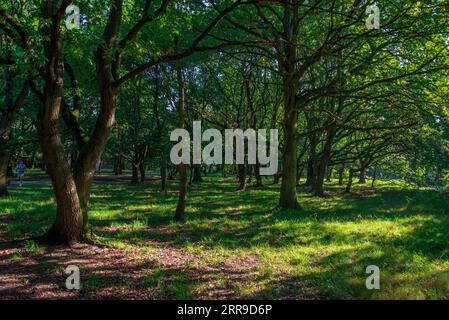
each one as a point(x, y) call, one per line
point(100, 178)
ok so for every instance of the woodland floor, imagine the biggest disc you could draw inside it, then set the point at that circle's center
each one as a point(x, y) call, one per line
point(232, 244)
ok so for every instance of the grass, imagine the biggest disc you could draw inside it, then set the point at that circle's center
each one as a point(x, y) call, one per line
point(321, 250)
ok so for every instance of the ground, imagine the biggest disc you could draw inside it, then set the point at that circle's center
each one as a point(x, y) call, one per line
point(232, 244)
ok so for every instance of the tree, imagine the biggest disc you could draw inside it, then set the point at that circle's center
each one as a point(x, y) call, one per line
point(72, 191)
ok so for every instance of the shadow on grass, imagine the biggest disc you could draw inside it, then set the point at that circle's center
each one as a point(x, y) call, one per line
point(111, 274)
point(233, 219)
point(402, 230)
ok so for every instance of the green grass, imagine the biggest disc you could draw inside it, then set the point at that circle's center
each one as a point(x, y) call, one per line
point(321, 250)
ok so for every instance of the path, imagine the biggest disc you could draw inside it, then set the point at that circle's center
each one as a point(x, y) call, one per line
point(102, 178)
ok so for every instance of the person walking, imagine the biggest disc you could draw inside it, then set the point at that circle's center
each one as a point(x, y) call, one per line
point(21, 171)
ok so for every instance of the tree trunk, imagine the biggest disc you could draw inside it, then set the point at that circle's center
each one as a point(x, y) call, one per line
point(329, 174)
point(90, 154)
point(7, 116)
point(321, 167)
point(180, 208)
point(142, 173)
point(135, 173)
point(318, 187)
point(163, 159)
point(191, 173)
point(288, 185)
point(68, 226)
point(197, 173)
point(257, 174)
point(69, 221)
point(5, 154)
point(10, 170)
point(341, 171)
point(288, 62)
point(349, 184)
point(241, 171)
point(319, 171)
point(374, 178)
point(73, 191)
point(116, 166)
point(4, 161)
point(248, 172)
point(33, 159)
point(310, 177)
point(163, 169)
point(172, 173)
point(299, 174)
point(362, 176)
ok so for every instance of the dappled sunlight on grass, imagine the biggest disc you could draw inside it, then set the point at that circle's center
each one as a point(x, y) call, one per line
point(321, 250)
